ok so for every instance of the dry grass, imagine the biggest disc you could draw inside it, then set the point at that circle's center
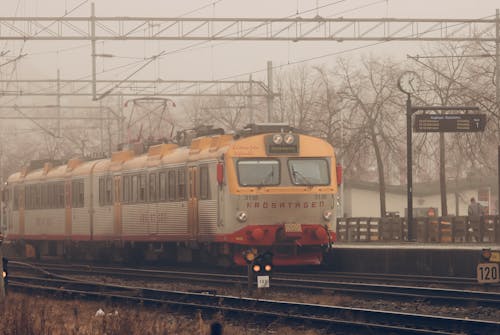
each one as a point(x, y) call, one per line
point(36, 315)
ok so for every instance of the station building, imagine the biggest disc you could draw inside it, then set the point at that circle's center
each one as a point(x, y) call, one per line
point(362, 199)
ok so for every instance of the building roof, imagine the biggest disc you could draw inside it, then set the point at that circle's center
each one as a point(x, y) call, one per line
point(429, 188)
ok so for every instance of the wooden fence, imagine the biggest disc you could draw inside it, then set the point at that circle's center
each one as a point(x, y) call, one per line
point(450, 229)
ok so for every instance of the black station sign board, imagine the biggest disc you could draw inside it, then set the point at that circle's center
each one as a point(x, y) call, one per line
point(449, 122)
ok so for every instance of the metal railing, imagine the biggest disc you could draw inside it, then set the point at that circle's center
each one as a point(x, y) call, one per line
point(448, 229)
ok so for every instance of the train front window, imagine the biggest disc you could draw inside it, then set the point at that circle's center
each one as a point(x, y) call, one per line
point(259, 172)
point(309, 171)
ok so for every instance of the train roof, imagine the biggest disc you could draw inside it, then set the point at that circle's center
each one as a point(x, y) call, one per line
point(213, 145)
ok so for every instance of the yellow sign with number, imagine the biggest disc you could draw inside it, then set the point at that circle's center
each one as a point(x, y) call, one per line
point(495, 257)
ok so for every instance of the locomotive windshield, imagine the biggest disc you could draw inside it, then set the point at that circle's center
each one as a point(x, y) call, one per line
point(259, 172)
point(309, 171)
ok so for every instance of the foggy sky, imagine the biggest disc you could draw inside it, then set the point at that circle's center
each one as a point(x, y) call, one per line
point(214, 60)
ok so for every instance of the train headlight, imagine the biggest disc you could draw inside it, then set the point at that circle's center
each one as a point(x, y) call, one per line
point(242, 216)
point(289, 139)
point(4, 274)
point(277, 139)
point(327, 215)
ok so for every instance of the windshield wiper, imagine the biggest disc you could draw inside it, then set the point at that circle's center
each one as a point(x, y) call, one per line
point(267, 177)
point(304, 179)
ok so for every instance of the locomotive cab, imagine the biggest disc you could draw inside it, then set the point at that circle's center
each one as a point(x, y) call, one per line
point(281, 195)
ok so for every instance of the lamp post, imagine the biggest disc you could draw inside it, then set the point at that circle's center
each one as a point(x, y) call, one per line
point(408, 83)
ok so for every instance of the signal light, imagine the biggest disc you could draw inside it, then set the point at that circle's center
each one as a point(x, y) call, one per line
point(486, 253)
point(263, 264)
point(5, 272)
point(249, 255)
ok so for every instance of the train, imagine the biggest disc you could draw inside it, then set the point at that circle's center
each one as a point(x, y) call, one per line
point(209, 196)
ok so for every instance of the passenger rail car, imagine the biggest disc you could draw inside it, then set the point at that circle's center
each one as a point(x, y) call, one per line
point(269, 188)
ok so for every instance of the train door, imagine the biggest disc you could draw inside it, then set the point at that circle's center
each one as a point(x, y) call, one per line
point(193, 202)
point(67, 208)
point(21, 205)
point(117, 207)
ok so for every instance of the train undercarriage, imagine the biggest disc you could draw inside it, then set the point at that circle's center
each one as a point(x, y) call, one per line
point(134, 252)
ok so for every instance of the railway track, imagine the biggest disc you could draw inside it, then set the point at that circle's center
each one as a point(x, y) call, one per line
point(282, 281)
point(354, 320)
point(392, 278)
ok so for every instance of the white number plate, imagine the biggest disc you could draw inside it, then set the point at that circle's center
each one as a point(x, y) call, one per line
point(487, 273)
point(262, 281)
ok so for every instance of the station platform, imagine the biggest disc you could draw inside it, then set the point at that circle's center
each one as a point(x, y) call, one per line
point(424, 259)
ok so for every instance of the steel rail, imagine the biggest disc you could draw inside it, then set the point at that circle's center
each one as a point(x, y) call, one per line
point(281, 281)
point(315, 315)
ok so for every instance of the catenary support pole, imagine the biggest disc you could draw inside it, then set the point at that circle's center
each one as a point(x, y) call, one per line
point(270, 94)
point(497, 83)
point(409, 166)
point(92, 31)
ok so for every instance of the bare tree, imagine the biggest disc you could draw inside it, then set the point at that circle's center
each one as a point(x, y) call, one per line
point(374, 113)
point(327, 118)
point(451, 78)
point(300, 97)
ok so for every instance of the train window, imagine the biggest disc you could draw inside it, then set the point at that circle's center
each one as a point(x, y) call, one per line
point(126, 189)
point(74, 193)
point(142, 188)
point(181, 184)
point(31, 197)
point(153, 195)
point(61, 195)
point(109, 191)
point(133, 191)
point(45, 197)
point(171, 185)
point(77, 194)
point(309, 171)
point(16, 197)
point(50, 195)
point(57, 201)
point(81, 195)
point(38, 196)
point(27, 195)
point(105, 191)
point(5, 195)
point(101, 191)
point(258, 172)
point(204, 184)
point(163, 186)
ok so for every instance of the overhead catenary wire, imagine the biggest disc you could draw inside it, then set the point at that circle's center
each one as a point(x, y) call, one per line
point(291, 63)
point(186, 48)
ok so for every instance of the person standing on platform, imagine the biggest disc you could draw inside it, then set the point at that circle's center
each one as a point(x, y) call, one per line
point(475, 211)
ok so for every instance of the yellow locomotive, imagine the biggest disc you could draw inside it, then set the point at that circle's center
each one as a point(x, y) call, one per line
point(210, 196)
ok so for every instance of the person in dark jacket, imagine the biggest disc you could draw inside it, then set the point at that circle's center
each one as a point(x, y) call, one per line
point(475, 211)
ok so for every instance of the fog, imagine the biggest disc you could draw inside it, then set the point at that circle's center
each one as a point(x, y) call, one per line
point(211, 60)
